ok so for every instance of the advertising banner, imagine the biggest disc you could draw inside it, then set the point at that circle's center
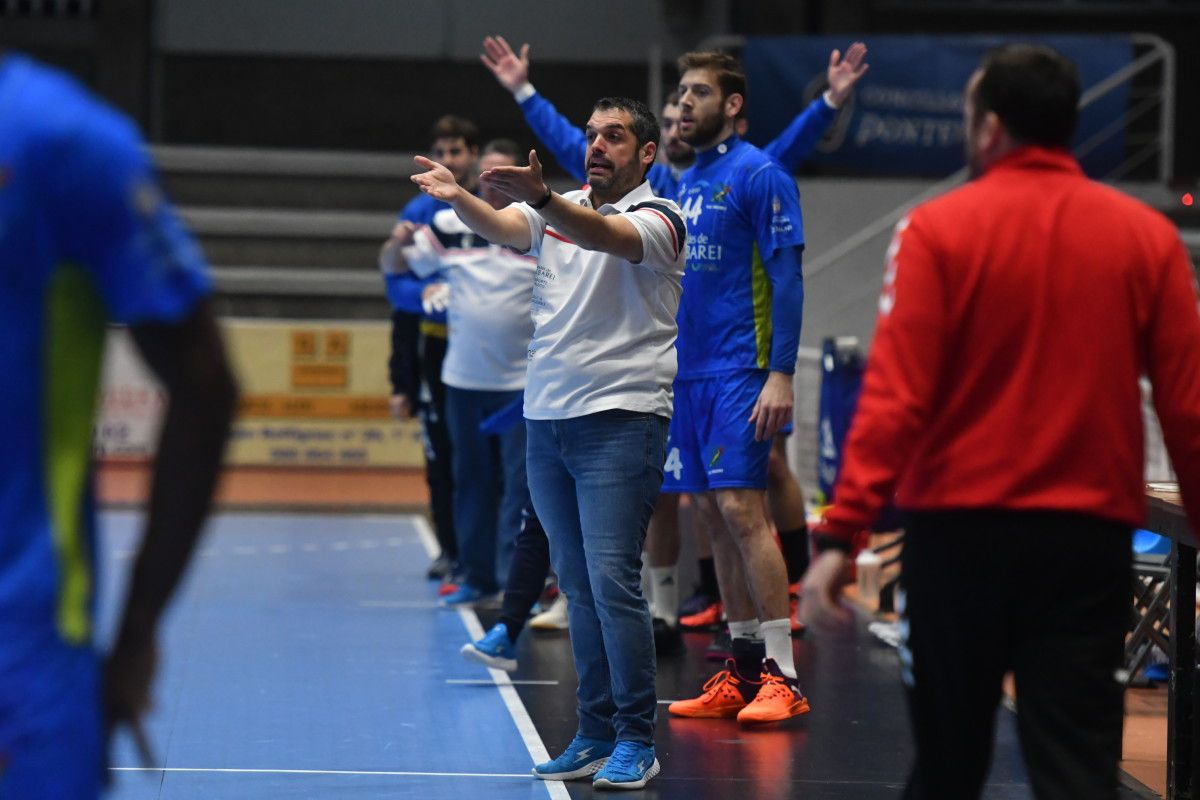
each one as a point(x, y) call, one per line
point(905, 117)
point(313, 394)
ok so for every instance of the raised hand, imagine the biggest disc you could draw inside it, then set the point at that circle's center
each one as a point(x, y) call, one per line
point(511, 70)
point(436, 181)
point(523, 184)
point(843, 73)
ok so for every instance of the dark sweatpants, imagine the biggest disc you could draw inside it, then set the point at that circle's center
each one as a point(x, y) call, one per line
point(1044, 595)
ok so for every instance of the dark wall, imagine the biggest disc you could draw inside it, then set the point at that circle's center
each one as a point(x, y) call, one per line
point(363, 105)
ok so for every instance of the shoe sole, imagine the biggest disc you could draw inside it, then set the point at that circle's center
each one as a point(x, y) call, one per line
point(547, 626)
point(471, 653)
point(586, 771)
point(795, 710)
point(719, 713)
point(604, 783)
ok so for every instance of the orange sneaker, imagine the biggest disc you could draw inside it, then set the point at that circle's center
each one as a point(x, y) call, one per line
point(707, 619)
point(725, 694)
point(779, 698)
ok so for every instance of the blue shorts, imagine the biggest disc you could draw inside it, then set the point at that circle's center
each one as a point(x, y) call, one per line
point(711, 443)
point(52, 746)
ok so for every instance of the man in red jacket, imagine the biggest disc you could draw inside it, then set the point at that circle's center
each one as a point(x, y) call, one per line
point(1001, 409)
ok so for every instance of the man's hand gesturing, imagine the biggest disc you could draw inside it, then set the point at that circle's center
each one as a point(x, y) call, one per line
point(436, 181)
point(523, 184)
point(511, 70)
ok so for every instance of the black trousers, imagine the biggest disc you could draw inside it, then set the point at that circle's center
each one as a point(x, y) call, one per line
point(1044, 595)
point(432, 413)
point(526, 574)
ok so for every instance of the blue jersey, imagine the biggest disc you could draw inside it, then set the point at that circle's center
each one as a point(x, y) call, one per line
point(741, 208)
point(86, 237)
point(569, 144)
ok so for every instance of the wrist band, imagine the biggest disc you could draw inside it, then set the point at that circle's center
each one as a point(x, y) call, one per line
point(540, 204)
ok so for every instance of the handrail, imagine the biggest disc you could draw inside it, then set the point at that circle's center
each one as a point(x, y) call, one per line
point(1161, 52)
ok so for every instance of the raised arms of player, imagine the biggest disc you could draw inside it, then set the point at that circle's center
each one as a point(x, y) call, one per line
point(795, 144)
point(565, 141)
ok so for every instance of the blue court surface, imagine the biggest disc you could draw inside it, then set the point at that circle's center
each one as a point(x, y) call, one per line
point(305, 657)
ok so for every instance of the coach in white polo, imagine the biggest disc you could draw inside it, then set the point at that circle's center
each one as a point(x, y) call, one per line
point(597, 402)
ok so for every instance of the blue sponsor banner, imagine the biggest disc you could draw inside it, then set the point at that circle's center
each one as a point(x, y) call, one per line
point(905, 117)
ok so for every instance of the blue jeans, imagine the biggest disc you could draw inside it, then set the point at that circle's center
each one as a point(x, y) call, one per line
point(489, 485)
point(594, 481)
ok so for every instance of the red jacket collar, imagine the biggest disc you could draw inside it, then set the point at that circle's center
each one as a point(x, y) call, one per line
point(1039, 158)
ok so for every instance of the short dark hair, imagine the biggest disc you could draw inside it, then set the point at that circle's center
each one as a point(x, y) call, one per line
point(1033, 89)
point(672, 98)
point(504, 147)
point(452, 127)
point(731, 78)
point(643, 123)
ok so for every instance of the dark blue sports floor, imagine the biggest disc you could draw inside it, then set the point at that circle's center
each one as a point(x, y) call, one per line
point(306, 657)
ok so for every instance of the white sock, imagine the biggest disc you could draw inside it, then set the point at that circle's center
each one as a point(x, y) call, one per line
point(777, 633)
point(665, 588)
point(744, 629)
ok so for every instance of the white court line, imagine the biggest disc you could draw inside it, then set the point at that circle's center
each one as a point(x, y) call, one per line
point(425, 604)
point(327, 772)
point(520, 715)
point(481, 681)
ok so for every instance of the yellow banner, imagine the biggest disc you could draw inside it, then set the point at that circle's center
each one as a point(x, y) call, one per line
point(313, 394)
point(316, 394)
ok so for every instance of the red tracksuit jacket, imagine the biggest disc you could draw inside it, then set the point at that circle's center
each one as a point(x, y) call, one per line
point(1017, 314)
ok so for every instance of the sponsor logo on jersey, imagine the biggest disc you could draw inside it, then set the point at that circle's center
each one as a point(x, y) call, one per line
point(721, 193)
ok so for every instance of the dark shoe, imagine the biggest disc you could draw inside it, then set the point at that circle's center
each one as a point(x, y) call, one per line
point(441, 568)
point(696, 603)
point(667, 639)
point(721, 648)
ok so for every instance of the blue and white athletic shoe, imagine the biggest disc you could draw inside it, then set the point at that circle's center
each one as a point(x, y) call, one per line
point(468, 596)
point(582, 758)
point(630, 766)
point(495, 649)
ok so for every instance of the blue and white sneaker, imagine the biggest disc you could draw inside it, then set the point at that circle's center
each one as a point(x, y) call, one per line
point(582, 758)
point(467, 595)
point(495, 649)
point(630, 766)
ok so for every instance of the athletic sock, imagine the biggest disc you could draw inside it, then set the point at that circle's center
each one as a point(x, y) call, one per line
point(777, 635)
point(795, 552)
point(665, 583)
point(748, 649)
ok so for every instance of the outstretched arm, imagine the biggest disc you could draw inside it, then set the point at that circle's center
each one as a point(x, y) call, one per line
point(587, 228)
point(565, 141)
point(506, 227)
point(796, 143)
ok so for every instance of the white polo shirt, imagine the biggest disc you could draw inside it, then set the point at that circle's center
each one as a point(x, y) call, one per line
point(604, 328)
point(489, 313)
